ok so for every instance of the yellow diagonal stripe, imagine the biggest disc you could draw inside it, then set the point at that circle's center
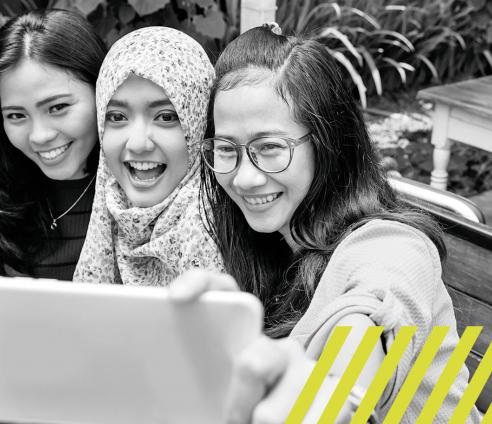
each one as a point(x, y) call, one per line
point(473, 390)
point(416, 374)
point(487, 418)
point(382, 377)
point(449, 374)
point(350, 375)
point(313, 383)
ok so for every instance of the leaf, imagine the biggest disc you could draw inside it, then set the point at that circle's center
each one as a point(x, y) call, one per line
point(126, 13)
point(356, 78)
point(478, 4)
point(204, 4)
point(82, 6)
point(87, 6)
point(430, 66)
point(365, 16)
point(65, 4)
point(3, 19)
point(212, 25)
point(320, 11)
point(344, 40)
point(398, 68)
point(146, 7)
point(376, 76)
point(398, 36)
point(488, 56)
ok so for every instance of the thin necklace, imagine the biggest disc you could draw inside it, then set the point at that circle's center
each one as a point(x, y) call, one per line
point(53, 223)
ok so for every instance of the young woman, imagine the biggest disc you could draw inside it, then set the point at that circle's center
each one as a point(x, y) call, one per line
point(49, 61)
point(152, 95)
point(305, 220)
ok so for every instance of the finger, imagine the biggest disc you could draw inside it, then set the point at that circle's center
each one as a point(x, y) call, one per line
point(193, 283)
point(276, 407)
point(255, 371)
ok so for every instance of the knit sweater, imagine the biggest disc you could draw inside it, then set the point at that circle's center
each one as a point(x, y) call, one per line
point(392, 273)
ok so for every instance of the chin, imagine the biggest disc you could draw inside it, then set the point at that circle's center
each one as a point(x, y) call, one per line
point(263, 227)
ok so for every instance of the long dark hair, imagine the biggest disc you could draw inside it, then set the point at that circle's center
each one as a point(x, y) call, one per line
point(59, 38)
point(349, 187)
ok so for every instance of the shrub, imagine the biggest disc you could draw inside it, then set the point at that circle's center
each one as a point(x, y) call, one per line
point(384, 44)
point(212, 23)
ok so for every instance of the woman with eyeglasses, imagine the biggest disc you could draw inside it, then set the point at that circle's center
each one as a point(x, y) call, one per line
point(305, 220)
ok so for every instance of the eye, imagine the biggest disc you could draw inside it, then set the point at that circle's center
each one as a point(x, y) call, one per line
point(115, 117)
point(223, 149)
point(58, 107)
point(167, 116)
point(269, 147)
point(15, 116)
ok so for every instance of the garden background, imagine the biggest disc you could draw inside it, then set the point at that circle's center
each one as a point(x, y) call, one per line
point(389, 49)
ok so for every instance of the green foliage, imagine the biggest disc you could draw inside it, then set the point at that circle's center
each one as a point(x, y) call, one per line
point(470, 169)
point(211, 22)
point(387, 44)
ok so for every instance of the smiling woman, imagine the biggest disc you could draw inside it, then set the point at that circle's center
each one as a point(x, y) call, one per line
point(48, 141)
point(152, 95)
point(144, 143)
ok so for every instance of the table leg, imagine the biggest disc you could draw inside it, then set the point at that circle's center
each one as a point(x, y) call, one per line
point(442, 147)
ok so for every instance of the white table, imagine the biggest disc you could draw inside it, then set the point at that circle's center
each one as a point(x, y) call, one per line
point(462, 112)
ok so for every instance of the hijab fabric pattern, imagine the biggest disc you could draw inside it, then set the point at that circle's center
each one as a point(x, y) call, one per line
point(151, 246)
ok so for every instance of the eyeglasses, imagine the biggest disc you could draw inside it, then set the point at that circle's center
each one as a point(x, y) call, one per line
point(269, 154)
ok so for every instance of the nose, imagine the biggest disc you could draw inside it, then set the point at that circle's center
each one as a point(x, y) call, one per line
point(139, 138)
point(247, 175)
point(41, 132)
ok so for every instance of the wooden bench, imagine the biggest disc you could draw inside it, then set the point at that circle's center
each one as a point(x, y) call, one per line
point(462, 112)
point(467, 274)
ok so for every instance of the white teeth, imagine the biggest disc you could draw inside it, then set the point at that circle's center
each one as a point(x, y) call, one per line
point(143, 166)
point(261, 200)
point(53, 154)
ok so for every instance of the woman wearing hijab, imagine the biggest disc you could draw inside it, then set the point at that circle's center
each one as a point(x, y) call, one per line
point(145, 229)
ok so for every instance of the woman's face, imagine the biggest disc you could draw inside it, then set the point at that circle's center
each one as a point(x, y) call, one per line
point(144, 143)
point(267, 201)
point(50, 116)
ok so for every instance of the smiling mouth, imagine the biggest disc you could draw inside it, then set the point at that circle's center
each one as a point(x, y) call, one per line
point(261, 200)
point(54, 153)
point(145, 171)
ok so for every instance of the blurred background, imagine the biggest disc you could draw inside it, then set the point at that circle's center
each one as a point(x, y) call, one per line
point(389, 49)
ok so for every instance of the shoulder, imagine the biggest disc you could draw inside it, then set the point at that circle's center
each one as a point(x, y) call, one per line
point(384, 256)
point(385, 240)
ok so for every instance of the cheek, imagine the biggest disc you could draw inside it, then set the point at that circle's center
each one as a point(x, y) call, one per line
point(224, 181)
point(82, 123)
point(110, 146)
point(16, 135)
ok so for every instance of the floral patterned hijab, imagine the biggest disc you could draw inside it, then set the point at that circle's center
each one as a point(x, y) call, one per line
point(151, 246)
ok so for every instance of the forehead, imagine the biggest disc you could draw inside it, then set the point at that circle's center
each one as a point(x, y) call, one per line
point(256, 104)
point(136, 89)
point(31, 80)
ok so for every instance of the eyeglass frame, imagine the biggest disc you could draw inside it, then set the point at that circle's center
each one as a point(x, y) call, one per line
point(292, 142)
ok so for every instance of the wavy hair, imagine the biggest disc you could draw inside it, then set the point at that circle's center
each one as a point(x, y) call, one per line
point(349, 187)
point(65, 40)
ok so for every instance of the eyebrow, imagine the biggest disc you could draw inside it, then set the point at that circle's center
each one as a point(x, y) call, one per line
point(252, 136)
point(125, 104)
point(41, 102)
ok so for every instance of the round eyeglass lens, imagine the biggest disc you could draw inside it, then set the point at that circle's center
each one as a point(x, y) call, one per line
point(220, 155)
point(270, 154)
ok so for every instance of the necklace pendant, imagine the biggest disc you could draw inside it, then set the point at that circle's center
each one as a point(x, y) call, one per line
point(54, 224)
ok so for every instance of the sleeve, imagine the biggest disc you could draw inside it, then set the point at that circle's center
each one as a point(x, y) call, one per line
point(392, 273)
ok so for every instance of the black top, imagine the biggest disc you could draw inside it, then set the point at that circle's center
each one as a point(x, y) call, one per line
point(59, 258)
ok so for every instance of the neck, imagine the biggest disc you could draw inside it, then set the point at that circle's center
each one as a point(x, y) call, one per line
point(289, 239)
